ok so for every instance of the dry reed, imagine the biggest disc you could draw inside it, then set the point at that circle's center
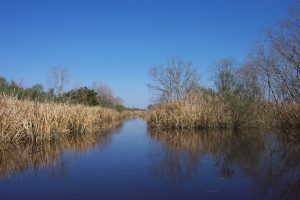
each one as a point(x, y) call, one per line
point(28, 120)
point(197, 111)
point(289, 116)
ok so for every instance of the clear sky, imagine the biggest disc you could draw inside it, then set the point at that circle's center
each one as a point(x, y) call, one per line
point(116, 42)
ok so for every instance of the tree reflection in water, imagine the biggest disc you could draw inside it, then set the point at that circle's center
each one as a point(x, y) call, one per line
point(17, 158)
point(271, 162)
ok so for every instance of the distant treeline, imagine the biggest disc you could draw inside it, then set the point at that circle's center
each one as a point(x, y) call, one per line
point(98, 95)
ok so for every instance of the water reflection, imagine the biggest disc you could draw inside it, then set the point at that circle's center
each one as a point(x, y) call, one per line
point(272, 163)
point(248, 164)
point(17, 158)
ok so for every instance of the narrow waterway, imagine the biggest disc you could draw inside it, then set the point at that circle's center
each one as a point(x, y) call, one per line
point(133, 161)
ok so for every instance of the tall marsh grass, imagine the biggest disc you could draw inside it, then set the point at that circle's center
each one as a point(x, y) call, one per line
point(28, 120)
point(198, 111)
point(289, 116)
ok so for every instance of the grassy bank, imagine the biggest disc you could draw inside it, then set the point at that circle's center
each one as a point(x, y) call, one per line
point(29, 120)
point(198, 111)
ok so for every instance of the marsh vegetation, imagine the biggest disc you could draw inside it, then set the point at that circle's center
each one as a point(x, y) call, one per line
point(262, 91)
point(23, 120)
point(32, 114)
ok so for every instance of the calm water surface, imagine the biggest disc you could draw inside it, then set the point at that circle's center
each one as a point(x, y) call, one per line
point(135, 162)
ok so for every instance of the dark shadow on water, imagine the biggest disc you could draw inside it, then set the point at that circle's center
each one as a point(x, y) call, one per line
point(270, 160)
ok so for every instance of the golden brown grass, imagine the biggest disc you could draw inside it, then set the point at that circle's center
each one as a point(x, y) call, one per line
point(197, 111)
point(289, 116)
point(28, 120)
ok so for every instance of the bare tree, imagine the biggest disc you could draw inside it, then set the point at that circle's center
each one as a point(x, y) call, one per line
point(224, 75)
point(58, 79)
point(278, 60)
point(248, 80)
point(173, 80)
point(105, 94)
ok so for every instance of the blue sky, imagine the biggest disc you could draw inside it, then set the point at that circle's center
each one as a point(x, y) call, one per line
point(116, 42)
